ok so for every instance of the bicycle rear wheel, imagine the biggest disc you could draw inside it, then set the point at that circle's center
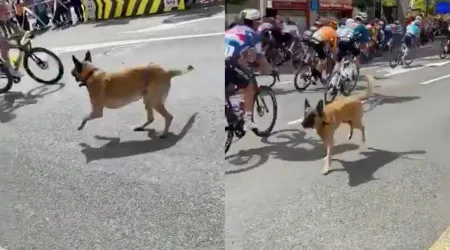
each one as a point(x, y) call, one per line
point(304, 75)
point(31, 55)
point(262, 108)
point(230, 135)
point(394, 61)
point(5, 75)
point(332, 91)
point(348, 86)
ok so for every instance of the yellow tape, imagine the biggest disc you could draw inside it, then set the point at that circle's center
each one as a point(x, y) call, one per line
point(108, 6)
point(119, 8)
point(141, 7)
point(100, 9)
point(130, 7)
point(443, 243)
point(155, 6)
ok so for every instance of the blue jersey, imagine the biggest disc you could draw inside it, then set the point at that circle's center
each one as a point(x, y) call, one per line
point(362, 33)
point(413, 29)
point(239, 39)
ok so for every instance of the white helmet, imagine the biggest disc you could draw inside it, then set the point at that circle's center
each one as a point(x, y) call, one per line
point(418, 18)
point(361, 16)
point(250, 14)
point(349, 21)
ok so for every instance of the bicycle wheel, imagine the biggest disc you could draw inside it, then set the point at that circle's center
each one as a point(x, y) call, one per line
point(332, 91)
point(230, 135)
point(304, 73)
point(6, 75)
point(349, 85)
point(394, 61)
point(31, 54)
point(262, 108)
point(442, 54)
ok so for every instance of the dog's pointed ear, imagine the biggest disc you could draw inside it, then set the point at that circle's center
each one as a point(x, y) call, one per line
point(307, 105)
point(319, 108)
point(88, 56)
point(78, 65)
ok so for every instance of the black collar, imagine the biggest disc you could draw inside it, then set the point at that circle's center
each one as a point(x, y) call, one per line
point(88, 76)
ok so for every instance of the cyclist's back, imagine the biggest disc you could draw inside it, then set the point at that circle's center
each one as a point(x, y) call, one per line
point(238, 39)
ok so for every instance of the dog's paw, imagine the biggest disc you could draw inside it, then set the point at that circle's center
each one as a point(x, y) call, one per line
point(80, 128)
point(326, 171)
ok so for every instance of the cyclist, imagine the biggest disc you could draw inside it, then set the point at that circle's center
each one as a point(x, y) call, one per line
point(243, 46)
point(411, 36)
point(389, 35)
point(361, 32)
point(323, 39)
point(20, 36)
point(348, 36)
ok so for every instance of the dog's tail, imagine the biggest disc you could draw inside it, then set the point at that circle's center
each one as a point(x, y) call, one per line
point(369, 87)
point(179, 72)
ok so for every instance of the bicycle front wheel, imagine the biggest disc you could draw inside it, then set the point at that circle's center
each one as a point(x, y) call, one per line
point(262, 108)
point(5, 75)
point(332, 91)
point(32, 55)
point(230, 135)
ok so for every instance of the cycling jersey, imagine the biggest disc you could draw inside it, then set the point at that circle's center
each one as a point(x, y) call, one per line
point(413, 30)
point(239, 39)
point(326, 34)
point(361, 33)
point(265, 26)
point(345, 33)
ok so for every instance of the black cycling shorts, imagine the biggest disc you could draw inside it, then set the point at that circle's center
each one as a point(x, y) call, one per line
point(346, 47)
point(236, 75)
point(319, 48)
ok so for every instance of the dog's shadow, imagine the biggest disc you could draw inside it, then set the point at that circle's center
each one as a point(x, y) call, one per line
point(114, 148)
point(362, 170)
point(287, 147)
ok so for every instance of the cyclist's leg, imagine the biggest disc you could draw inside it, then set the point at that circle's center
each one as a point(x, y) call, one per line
point(322, 55)
point(4, 47)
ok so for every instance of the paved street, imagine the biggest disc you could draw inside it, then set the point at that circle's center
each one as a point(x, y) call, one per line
point(391, 193)
point(107, 187)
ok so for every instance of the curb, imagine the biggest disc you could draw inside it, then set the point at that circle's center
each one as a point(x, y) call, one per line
point(443, 243)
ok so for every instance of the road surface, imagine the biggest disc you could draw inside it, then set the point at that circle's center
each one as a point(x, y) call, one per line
point(107, 187)
point(391, 193)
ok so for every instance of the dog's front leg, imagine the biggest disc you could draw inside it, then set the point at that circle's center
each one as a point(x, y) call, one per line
point(95, 114)
point(328, 158)
point(149, 108)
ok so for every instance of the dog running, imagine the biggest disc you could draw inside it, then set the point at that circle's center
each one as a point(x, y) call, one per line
point(116, 90)
point(326, 119)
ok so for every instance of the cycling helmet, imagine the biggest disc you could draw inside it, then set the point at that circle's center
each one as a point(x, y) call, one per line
point(250, 14)
point(318, 23)
point(349, 21)
point(417, 23)
point(397, 22)
point(314, 28)
point(381, 23)
point(362, 16)
point(418, 18)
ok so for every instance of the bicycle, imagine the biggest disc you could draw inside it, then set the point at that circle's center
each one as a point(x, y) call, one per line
point(400, 58)
point(305, 71)
point(341, 79)
point(444, 49)
point(28, 52)
point(235, 113)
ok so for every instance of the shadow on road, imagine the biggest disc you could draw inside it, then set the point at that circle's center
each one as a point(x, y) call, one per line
point(378, 100)
point(114, 148)
point(194, 13)
point(288, 149)
point(112, 22)
point(362, 170)
point(14, 100)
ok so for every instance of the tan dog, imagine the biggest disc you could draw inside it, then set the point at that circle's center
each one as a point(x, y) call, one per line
point(326, 119)
point(116, 90)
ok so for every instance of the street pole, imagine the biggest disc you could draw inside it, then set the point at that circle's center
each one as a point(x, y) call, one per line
point(261, 7)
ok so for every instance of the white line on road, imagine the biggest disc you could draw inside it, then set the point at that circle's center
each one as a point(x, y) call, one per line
point(434, 80)
point(167, 26)
point(404, 70)
point(295, 121)
point(67, 49)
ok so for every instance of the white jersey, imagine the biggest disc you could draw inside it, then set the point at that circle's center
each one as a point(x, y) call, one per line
point(345, 33)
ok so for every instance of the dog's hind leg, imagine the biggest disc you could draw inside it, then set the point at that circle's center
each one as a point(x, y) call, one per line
point(360, 126)
point(328, 158)
point(350, 133)
point(149, 108)
point(160, 108)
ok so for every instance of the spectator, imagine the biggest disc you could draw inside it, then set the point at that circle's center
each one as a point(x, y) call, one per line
point(21, 16)
point(78, 8)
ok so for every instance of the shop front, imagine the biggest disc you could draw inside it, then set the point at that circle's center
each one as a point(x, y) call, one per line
point(335, 8)
point(297, 10)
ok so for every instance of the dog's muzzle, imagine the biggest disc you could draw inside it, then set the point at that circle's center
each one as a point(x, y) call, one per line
point(88, 76)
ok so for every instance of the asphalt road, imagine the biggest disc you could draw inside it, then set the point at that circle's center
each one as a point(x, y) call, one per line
point(107, 187)
point(391, 193)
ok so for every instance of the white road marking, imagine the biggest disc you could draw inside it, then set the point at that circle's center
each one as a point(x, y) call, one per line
point(67, 49)
point(435, 80)
point(295, 121)
point(167, 26)
point(398, 71)
point(283, 83)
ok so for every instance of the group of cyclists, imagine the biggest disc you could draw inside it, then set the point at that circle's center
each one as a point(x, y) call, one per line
point(329, 39)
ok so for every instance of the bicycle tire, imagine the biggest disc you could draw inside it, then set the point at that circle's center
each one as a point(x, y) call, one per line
point(230, 135)
point(8, 75)
point(33, 50)
point(442, 54)
point(394, 62)
point(273, 98)
point(296, 76)
point(332, 88)
point(347, 92)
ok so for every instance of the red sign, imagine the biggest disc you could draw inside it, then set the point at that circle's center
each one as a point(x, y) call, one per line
point(336, 4)
point(287, 5)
